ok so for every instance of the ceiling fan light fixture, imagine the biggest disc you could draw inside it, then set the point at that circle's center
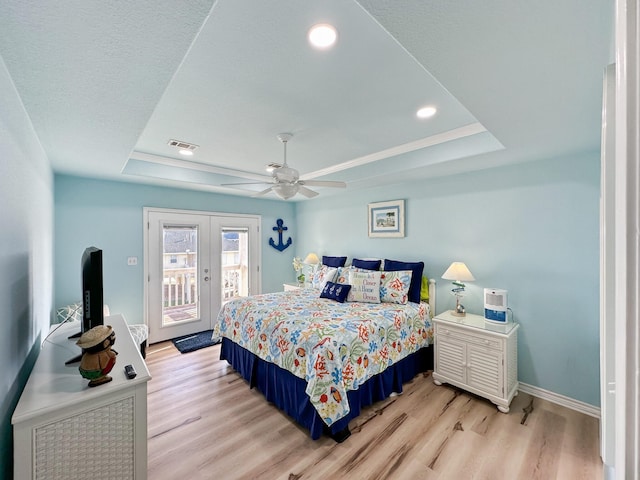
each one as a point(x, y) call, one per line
point(322, 36)
point(285, 190)
point(286, 181)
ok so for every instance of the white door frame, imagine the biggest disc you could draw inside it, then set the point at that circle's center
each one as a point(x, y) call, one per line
point(626, 224)
point(607, 271)
point(257, 253)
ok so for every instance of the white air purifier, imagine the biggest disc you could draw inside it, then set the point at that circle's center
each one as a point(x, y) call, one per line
point(495, 305)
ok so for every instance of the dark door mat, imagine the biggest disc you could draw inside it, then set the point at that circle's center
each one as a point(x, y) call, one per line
point(193, 342)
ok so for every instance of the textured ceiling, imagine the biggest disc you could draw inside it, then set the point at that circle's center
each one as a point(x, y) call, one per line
point(107, 84)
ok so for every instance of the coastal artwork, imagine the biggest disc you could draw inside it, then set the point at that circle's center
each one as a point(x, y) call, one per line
point(386, 219)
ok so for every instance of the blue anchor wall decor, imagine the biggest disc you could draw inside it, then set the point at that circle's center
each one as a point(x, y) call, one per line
point(280, 228)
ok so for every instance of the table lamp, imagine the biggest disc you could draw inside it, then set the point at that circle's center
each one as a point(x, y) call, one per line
point(313, 260)
point(458, 273)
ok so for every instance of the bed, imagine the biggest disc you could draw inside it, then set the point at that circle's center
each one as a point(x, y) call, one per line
point(321, 361)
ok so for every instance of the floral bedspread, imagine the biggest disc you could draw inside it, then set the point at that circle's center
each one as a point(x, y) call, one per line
point(334, 346)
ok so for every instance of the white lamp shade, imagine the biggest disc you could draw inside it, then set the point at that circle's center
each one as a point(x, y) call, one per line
point(458, 271)
point(312, 259)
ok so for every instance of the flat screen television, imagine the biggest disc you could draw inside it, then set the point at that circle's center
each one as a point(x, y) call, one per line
point(92, 299)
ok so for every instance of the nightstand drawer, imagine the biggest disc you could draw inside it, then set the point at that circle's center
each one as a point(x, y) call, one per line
point(447, 331)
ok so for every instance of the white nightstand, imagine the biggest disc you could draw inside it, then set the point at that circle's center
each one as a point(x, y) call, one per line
point(478, 356)
point(291, 286)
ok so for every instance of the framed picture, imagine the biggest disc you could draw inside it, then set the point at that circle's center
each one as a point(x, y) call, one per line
point(386, 219)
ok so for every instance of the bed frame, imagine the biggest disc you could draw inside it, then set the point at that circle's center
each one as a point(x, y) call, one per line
point(287, 391)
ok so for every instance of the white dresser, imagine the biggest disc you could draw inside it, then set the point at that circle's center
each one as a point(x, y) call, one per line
point(478, 356)
point(64, 429)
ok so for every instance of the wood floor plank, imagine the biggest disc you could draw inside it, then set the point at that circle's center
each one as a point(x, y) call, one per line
point(544, 446)
point(204, 422)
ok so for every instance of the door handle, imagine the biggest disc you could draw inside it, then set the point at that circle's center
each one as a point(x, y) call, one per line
point(206, 279)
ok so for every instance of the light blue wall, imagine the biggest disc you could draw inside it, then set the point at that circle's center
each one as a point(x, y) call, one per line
point(26, 261)
point(532, 229)
point(109, 215)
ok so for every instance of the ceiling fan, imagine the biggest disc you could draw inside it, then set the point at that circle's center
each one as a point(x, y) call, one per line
point(286, 180)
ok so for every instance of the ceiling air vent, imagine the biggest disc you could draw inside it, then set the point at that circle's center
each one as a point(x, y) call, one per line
point(182, 145)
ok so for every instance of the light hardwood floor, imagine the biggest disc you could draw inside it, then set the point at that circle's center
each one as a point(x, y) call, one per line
point(205, 423)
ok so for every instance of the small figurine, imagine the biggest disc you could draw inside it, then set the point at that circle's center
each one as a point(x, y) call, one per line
point(98, 358)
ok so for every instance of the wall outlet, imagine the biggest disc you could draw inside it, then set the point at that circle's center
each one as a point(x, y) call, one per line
point(132, 261)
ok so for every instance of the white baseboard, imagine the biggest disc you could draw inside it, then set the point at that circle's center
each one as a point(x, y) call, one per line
point(560, 400)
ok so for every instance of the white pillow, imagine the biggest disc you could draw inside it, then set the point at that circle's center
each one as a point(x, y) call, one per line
point(365, 287)
point(323, 275)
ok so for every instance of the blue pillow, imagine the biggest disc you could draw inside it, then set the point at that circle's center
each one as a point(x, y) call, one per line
point(334, 261)
point(416, 277)
point(335, 291)
point(366, 264)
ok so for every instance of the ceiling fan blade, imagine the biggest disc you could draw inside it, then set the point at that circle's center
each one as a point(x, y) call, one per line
point(307, 192)
point(323, 183)
point(263, 192)
point(245, 183)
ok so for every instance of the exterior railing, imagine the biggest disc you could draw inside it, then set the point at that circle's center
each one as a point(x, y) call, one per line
point(180, 285)
point(231, 281)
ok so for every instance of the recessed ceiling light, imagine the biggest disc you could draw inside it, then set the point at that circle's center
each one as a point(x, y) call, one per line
point(426, 112)
point(185, 152)
point(322, 35)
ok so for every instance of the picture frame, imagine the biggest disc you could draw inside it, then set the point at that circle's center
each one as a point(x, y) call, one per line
point(386, 219)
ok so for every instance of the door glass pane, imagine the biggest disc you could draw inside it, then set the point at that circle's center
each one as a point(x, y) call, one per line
point(180, 274)
point(235, 263)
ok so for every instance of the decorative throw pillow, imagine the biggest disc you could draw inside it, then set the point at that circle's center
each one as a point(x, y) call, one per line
point(334, 261)
point(394, 286)
point(323, 275)
point(365, 287)
point(335, 291)
point(416, 278)
point(424, 290)
point(366, 264)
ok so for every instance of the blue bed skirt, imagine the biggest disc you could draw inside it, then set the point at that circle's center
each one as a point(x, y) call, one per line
point(287, 391)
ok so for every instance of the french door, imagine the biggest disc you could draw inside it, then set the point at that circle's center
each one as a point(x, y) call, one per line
point(194, 262)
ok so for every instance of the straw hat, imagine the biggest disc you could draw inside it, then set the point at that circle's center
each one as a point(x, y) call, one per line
point(94, 336)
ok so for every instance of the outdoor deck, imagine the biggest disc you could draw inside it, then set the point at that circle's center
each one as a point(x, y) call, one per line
point(180, 313)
